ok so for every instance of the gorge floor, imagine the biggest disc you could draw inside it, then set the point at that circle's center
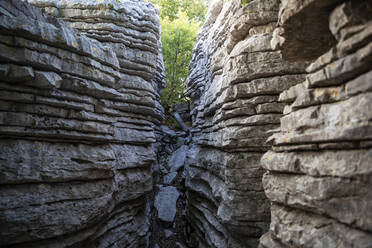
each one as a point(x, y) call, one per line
point(169, 225)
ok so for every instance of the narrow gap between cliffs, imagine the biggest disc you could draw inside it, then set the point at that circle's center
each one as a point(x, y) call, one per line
point(169, 225)
point(180, 22)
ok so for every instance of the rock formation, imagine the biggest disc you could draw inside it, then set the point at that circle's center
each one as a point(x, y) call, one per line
point(234, 84)
point(168, 220)
point(249, 94)
point(320, 166)
point(278, 155)
point(79, 109)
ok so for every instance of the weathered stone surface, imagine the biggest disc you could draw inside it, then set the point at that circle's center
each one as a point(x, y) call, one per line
point(79, 109)
point(295, 228)
point(179, 245)
point(170, 178)
point(168, 222)
point(319, 166)
point(80, 115)
point(168, 233)
point(341, 163)
point(234, 84)
point(319, 170)
point(165, 203)
point(296, 21)
point(178, 158)
point(166, 130)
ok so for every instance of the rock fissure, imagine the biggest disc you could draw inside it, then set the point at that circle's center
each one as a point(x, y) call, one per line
point(273, 149)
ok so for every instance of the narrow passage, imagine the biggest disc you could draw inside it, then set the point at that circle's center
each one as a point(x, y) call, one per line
point(169, 227)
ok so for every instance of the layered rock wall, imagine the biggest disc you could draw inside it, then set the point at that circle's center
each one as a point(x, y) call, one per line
point(250, 93)
point(78, 113)
point(234, 85)
point(276, 86)
point(319, 175)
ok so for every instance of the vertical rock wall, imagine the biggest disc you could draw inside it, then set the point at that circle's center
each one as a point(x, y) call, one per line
point(234, 85)
point(249, 92)
point(319, 175)
point(78, 113)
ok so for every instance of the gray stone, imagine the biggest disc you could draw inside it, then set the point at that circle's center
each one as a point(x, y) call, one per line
point(166, 130)
point(79, 110)
point(166, 203)
point(288, 223)
point(48, 80)
point(179, 245)
point(20, 73)
point(156, 168)
point(170, 178)
point(81, 115)
point(296, 20)
point(181, 141)
point(180, 121)
point(163, 169)
point(345, 206)
point(234, 86)
point(168, 233)
point(318, 169)
point(177, 160)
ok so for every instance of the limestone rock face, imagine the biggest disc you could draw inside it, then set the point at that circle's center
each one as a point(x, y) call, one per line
point(78, 113)
point(166, 203)
point(319, 169)
point(234, 84)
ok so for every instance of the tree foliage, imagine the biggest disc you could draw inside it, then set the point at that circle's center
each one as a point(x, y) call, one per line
point(180, 21)
point(178, 38)
point(194, 9)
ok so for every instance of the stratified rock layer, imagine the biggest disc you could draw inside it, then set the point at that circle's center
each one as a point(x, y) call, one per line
point(234, 84)
point(77, 119)
point(319, 171)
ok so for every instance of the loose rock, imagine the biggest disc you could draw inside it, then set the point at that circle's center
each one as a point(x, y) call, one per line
point(165, 203)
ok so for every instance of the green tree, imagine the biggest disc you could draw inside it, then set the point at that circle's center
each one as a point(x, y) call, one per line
point(194, 9)
point(180, 21)
point(178, 38)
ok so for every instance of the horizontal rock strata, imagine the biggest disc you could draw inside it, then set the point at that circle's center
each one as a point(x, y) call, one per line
point(234, 84)
point(319, 169)
point(78, 113)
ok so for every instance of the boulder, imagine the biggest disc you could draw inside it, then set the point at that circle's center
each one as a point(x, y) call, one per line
point(167, 131)
point(178, 158)
point(168, 233)
point(166, 203)
point(170, 178)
